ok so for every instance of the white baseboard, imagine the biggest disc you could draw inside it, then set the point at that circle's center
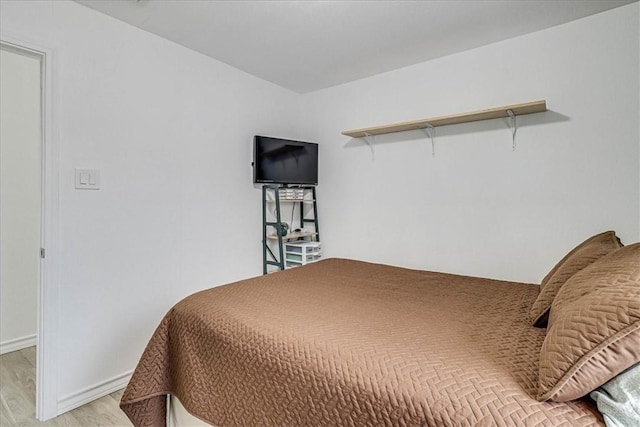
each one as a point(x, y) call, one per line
point(89, 394)
point(17, 344)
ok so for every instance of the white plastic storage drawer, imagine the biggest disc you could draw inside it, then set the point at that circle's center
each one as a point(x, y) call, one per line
point(301, 253)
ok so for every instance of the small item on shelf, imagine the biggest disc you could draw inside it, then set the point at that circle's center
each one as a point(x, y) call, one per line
point(291, 193)
point(283, 230)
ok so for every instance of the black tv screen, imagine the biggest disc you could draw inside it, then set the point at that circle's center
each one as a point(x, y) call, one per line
point(283, 161)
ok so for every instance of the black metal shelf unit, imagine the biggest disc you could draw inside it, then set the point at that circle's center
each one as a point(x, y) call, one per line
point(276, 230)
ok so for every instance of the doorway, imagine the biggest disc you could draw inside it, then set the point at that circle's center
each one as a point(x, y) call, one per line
point(28, 209)
point(20, 197)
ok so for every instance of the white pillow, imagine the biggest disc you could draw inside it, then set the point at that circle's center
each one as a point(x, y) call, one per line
point(619, 399)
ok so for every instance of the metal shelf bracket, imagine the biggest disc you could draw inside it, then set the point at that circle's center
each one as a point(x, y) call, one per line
point(370, 141)
point(514, 128)
point(430, 131)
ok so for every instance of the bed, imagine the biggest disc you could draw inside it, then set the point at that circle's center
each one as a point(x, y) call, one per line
point(344, 342)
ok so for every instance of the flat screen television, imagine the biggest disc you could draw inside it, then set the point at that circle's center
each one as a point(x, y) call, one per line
point(283, 161)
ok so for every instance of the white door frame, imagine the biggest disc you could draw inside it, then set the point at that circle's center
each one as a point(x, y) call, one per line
point(47, 326)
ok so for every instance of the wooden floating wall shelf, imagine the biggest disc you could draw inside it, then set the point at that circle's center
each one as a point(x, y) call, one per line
point(473, 116)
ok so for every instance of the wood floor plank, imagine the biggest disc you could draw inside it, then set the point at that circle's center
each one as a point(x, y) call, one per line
point(100, 413)
point(17, 399)
point(16, 374)
point(30, 354)
point(5, 414)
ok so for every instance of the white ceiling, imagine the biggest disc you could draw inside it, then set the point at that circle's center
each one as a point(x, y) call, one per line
point(309, 45)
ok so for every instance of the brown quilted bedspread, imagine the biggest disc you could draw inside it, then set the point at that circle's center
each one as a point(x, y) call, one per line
point(343, 342)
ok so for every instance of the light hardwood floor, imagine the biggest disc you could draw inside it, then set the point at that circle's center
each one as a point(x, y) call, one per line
point(17, 398)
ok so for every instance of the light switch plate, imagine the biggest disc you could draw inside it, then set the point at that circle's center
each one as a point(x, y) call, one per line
point(87, 179)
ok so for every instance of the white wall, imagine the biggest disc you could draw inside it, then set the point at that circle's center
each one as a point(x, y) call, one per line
point(20, 146)
point(171, 132)
point(478, 207)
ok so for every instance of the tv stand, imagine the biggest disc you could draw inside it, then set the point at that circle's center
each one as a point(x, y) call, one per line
point(278, 235)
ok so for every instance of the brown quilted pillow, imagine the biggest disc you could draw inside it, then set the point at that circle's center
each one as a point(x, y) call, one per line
point(594, 327)
point(581, 256)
